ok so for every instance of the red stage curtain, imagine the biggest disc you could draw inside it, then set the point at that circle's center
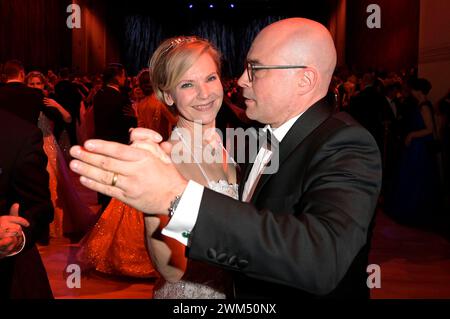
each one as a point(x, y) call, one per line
point(393, 46)
point(35, 32)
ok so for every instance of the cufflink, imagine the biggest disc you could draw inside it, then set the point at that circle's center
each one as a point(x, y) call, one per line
point(185, 234)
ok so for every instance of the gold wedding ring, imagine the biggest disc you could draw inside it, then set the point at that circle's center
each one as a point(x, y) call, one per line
point(114, 179)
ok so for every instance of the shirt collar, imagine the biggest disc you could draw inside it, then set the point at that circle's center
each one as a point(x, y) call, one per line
point(113, 87)
point(389, 99)
point(281, 131)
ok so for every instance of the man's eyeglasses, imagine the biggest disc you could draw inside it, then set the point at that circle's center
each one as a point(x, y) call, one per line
point(252, 67)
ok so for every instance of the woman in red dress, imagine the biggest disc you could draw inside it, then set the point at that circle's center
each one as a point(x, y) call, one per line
point(116, 244)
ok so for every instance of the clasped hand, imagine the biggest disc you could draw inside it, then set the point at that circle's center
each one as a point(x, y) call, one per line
point(11, 237)
point(141, 175)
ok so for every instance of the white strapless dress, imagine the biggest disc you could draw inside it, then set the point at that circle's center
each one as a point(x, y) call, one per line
point(201, 281)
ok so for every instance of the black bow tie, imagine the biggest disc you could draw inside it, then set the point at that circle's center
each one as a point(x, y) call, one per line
point(268, 140)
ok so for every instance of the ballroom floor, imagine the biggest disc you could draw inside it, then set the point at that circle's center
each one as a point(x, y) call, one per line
point(413, 263)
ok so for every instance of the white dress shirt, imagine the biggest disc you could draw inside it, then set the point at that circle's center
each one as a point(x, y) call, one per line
point(263, 158)
point(186, 213)
point(392, 106)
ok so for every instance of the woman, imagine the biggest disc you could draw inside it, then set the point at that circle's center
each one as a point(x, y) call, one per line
point(37, 80)
point(116, 245)
point(415, 196)
point(72, 217)
point(185, 75)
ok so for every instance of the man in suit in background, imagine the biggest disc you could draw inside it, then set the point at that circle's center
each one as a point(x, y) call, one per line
point(112, 109)
point(18, 98)
point(303, 231)
point(68, 95)
point(392, 142)
point(367, 108)
point(25, 209)
point(113, 115)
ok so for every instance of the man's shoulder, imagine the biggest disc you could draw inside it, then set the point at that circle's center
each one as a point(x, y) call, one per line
point(344, 125)
point(9, 87)
point(16, 127)
point(348, 131)
point(21, 89)
point(345, 119)
point(107, 93)
point(337, 121)
point(99, 96)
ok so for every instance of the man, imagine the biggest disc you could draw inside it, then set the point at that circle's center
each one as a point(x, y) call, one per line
point(68, 95)
point(392, 141)
point(25, 209)
point(112, 115)
point(305, 229)
point(112, 109)
point(367, 108)
point(16, 97)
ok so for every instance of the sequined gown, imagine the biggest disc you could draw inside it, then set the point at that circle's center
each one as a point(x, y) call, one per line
point(200, 281)
point(72, 215)
point(116, 244)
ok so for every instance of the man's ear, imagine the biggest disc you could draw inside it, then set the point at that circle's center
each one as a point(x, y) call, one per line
point(308, 80)
point(168, 99)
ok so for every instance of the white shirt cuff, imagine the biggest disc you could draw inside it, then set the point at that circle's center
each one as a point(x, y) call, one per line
point(185, 215)
point(21, 248)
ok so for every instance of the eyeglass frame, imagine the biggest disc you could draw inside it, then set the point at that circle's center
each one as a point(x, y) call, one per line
point(251, 67)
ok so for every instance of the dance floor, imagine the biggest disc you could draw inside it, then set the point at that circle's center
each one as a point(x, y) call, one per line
point(414, 264)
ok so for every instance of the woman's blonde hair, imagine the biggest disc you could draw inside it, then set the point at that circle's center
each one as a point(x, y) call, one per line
point(174, 57)
point(36, 74)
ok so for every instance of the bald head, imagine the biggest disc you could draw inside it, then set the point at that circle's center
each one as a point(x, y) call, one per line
point(299, 41)
point(291, 63)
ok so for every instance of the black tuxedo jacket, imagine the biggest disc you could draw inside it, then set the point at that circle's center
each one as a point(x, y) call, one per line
point(307, 229)
point(111, 122)
point(21, 100)
point(68, 95)
point(24, 179)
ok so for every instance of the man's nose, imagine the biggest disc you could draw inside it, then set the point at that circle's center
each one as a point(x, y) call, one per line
point(244, 81)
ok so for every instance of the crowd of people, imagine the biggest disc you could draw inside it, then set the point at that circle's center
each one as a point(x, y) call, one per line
point(68, 110)
point(250, 234)
point(412, 134)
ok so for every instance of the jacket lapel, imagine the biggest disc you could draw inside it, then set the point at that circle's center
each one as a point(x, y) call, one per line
point(249, 165)
point(307, 123)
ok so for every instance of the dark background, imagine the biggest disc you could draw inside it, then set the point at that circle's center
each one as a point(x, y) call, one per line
point(35, 31)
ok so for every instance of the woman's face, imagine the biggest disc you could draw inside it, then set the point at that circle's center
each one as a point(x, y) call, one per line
point(198, 95)
point(35, 82)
